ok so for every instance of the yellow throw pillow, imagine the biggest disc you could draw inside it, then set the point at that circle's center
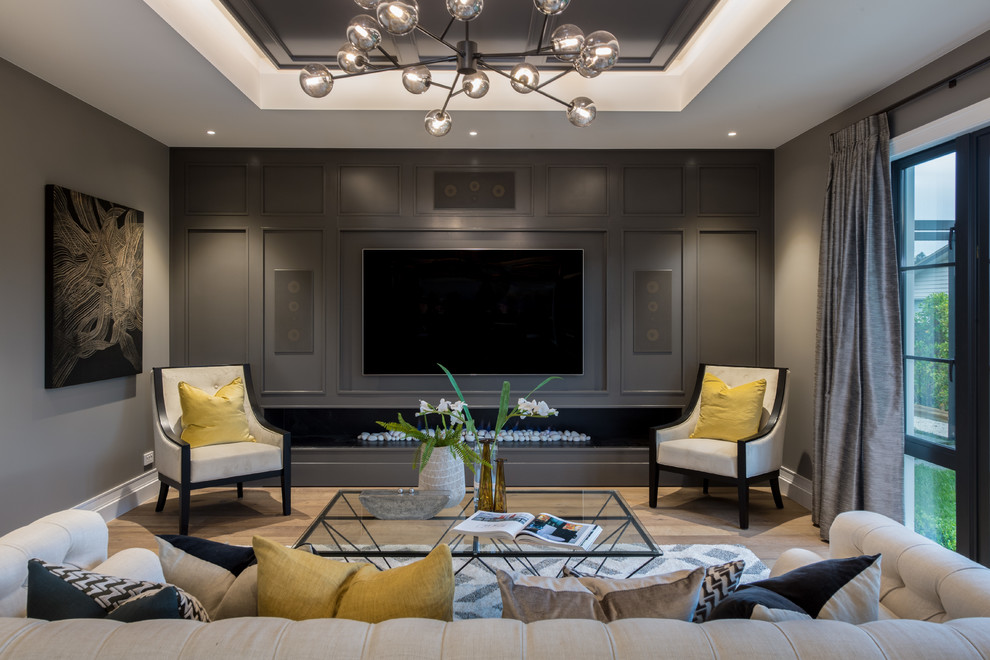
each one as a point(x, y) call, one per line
point(294, 584)
point(729, 413)
point(214, 419)
point(423, 589)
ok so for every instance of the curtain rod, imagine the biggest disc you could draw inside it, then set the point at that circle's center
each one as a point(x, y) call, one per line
point(950, 80)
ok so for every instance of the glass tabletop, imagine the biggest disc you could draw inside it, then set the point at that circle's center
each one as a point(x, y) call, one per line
point(346, 530)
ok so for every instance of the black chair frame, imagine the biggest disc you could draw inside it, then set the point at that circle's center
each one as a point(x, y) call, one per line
point(742, 482)
point(185, 485)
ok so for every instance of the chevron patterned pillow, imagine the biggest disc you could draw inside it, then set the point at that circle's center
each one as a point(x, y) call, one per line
point(57, 591)
point(719, 582)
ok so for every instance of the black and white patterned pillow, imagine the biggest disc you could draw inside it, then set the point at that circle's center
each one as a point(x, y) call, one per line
point(107, 592)
point(719, 582)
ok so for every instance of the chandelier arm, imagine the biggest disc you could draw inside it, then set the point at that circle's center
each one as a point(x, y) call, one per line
point(388, 56)
point(436, 38)
point(546, 50)
point(446, 30)
point(443, 110)
point(535, 89)
point(556, 77)
point(396, 67)
point(543, 32)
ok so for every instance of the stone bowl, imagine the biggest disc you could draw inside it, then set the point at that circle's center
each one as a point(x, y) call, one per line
point(403, 503)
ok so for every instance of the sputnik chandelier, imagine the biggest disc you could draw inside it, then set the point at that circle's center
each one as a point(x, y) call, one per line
point(588, 55)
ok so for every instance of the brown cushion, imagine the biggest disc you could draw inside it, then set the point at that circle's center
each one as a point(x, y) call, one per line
point(665, 596)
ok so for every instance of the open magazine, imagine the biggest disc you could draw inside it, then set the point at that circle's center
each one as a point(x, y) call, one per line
point(542, 528)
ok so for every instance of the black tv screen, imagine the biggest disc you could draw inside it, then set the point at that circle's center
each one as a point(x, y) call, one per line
point(475, 311)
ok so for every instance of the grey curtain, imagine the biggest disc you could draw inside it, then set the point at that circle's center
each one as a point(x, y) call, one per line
point(859, 411)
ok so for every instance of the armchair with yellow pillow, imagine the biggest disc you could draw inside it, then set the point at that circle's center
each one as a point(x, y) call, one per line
point(732, 431)
point(208, 432)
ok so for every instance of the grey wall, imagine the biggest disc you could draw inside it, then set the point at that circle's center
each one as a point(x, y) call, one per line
point(61, 447)
point(238, 216)
point(801, 167)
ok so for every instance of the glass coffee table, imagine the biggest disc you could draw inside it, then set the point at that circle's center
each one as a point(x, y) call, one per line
point(346, 530)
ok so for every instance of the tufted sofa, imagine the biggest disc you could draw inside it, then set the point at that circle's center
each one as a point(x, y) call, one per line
point(920, 580)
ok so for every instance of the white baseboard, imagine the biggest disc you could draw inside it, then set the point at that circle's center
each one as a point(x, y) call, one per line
point(795, 487)
point(124, 497)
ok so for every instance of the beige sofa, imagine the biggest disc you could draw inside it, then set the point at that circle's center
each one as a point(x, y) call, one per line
point(920, 581)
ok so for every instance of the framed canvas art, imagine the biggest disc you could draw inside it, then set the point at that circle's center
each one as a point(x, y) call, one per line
point(94, 283)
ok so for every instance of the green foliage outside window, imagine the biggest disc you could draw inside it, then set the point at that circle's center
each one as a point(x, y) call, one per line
point(935, 503)
point(931, 339)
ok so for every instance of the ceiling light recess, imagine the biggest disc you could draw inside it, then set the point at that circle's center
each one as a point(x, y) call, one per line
point(589, 55)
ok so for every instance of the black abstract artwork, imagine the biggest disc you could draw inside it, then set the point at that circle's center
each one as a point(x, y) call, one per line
point(94, 270)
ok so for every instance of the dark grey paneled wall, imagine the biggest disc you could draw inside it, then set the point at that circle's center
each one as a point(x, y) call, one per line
point(266, 260)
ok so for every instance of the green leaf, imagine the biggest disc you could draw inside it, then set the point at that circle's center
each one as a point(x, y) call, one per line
point(542, 384)
point(503, 407)
point(457, 391)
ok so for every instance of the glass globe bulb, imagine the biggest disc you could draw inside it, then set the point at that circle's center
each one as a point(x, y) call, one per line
point(567, 42)
point(475, 84)
point(351, 59)
point(364, 33)
point(416, 79)
point(585, 71)
point(600, 51)
point(437, 123)
point(525, 77)
point(316, 80)
point(398, 16)
point(465, 10)
point(551, 7)
point(582, 111)
point(367, 4)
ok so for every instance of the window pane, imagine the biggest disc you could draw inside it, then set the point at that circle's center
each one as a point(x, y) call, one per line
point(931, 494)
point(930, 402)
point(928, 320)
point(929, 201)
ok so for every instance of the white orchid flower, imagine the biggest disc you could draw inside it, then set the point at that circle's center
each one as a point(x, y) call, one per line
point(443, 406)
point(457, 406)
point(543, 410)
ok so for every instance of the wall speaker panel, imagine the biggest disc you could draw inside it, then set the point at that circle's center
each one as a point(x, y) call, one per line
point(652, 311)
point(216, 189)
point(369, 190)
point(293, 190)
point(728, 298)
point(217, 297)
point(653, 191)
point(577, 190)
point(293, 311)
point(474, 190)
point(729, 190)
point(651, 323)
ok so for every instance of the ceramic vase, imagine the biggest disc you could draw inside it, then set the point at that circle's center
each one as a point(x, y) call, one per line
point(444, 471)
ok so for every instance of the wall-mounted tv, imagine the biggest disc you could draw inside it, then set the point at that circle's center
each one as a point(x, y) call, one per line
point(476, 311)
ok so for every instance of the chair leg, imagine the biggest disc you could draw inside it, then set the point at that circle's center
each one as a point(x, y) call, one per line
point(775, 489)
point(162, 494)
point(743, 505)
point(704, 486)
point(184, 510)
point(240, 489)
point(286, 496)
point(654, 484)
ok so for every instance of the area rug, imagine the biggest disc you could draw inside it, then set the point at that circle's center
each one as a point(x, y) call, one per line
point(476, 593)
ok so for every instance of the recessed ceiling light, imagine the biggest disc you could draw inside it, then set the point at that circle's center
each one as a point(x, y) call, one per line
point(211, 132)
point(472, 133)
point(732, 134)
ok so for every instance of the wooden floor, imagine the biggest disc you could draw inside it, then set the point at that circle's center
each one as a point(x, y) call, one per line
point(684, 515)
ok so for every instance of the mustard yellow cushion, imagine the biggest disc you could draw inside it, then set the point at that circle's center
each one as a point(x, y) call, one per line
point(213, 419)
point(423, 589)
point(295, 584)
point(729, 413)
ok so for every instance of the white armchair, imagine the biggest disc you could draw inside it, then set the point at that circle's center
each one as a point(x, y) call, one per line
point(752, 459)
point(186, 468)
